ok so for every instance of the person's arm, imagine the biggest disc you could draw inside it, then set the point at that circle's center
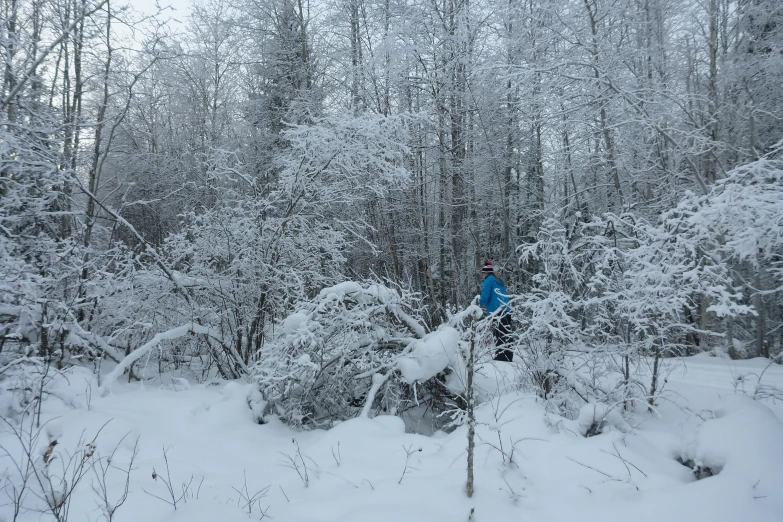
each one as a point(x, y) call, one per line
point(502, 293)
point(486, 289)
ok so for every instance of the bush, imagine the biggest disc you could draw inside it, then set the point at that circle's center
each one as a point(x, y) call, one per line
point(318, 369)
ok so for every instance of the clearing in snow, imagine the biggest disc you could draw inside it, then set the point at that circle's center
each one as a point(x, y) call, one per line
point(195, 454)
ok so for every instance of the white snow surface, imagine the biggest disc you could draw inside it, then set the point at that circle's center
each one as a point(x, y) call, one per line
point(340, 289)
point(530, 464)
point(293, 322)
point(602, 415)
point(431, 355)
point(741, 441)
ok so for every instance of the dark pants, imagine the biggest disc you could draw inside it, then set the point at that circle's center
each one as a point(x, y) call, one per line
point(502, 333)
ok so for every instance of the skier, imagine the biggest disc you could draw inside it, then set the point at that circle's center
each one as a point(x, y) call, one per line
point(494, 299)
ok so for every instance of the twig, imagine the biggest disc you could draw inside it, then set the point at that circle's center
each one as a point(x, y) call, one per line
point(514, 495)
point(292, 463)
point(101, 469)
point(592, 468)
point(408, 453)
point(626, 461)
point(630, 477)
point(337, 458)
point(343, 479)
point(169, 486)
point(250, 499)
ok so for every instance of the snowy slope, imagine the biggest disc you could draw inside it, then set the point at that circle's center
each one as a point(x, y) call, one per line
point(530, 465)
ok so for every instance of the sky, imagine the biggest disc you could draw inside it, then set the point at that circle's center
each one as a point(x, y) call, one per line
point(181, 8)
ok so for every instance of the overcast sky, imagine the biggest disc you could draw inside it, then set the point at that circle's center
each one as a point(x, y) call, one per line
point(180, 12)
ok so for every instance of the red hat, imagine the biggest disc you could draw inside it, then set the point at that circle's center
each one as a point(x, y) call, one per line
point(488, 268)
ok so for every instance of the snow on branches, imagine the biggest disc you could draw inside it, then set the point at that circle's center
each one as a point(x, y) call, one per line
point(741, 218)
point(320, 367)
point(635, 292)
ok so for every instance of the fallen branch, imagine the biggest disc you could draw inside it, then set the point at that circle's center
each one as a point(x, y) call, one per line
point(174, 333)
point(377, 381)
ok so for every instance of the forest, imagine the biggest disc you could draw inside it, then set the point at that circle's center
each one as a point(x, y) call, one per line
point(620, 161)
point(300, 195)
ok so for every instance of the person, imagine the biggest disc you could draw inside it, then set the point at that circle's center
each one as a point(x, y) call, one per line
point(494, 299)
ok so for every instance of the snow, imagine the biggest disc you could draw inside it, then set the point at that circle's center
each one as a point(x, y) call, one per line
point(293, 322)
point(601, 416)
point(742, 439)
point(54, 430)
point(138, 353)
point(204, 510)
point(56, 495)
point(257, 405)
point(431, 355)
point(473, 311)
point(304, 360)
point(530, 463)
point(377, 381)
point(373, 293)
point(340, 289)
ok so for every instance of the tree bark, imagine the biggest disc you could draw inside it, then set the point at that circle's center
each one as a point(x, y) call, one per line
point(469, 487)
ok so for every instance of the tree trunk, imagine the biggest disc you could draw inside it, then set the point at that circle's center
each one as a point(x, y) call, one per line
point(95, 170)
point(469, 488)
point(592, 12)
point(712, 93)
point(762, 349)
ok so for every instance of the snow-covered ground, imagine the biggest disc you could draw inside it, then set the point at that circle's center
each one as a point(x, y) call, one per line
point(530, 465)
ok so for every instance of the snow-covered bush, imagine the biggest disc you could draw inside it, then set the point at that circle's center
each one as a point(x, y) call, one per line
point(599, 418)
point(738, 227)
point(622, 293)
point(244, 266)
point(568, 326)
point(319, 366)
point(741, 439)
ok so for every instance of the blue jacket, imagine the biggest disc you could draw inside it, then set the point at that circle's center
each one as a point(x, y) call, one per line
point(493, 294)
